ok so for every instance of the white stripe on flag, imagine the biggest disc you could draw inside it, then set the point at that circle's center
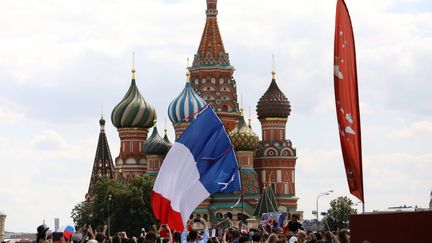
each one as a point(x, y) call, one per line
point(178, 181)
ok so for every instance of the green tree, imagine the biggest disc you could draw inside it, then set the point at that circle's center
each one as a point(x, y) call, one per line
point(339, 212)
point(129, 207)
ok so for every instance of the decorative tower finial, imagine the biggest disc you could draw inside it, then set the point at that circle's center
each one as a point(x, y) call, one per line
point(187, 71)
point(165, 129)
point(273, 70)
point(133, 65)
point(249, 119)
point(211, 8)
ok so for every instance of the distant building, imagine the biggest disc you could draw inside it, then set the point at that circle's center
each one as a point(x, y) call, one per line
point(2, 226)
point(56, 224)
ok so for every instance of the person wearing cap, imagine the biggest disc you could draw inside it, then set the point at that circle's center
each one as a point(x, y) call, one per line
point(42, 234)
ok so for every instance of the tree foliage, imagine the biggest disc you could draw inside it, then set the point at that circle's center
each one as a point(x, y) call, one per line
point(339, 212)
point(129, 207)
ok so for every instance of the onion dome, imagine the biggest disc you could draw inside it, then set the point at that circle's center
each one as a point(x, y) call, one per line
point(166, 138)
point(243, 137)
point(156, 145)
point(133, 110)
point(273, 103)
point(182, 108)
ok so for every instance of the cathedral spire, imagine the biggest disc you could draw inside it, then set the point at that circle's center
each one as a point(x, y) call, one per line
point(103, 163)
point(211, 50)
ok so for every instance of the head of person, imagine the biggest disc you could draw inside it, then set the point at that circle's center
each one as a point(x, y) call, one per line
point(295, 217)
point(116, 239)
point(193, 235)
point(256, 237)
point(99, 237)
point(244, 239)
point(151, 236)
point(343, 236)
point(301, 235)
point(42, 233)
point(327, 235)
point(77, 237)
point(177, 237)
point(272, 238)
point(235, 234)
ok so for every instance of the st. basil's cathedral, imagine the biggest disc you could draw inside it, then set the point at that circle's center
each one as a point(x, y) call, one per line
point(267, 166)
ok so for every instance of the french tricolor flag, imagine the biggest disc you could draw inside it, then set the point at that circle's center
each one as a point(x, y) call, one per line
point(202, 162)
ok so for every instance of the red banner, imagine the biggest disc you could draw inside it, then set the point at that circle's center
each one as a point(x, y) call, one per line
point(347, 101)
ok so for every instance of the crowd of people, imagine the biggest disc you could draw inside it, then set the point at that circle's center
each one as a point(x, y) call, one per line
point(292, 232)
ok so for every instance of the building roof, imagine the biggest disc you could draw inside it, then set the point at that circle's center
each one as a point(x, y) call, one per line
point(243, 137)
point(156, 145)
point(273, 104)
point(103, 163)
point(267, 202)
point(133, 110)
point(211, 51)
point(188, 102)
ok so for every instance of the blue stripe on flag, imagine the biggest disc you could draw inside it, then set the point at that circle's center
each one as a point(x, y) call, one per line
point(208, 142)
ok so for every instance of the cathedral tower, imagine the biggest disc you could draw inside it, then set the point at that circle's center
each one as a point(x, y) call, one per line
point(212, 73)
point(103, 164)
point(132, 117)
point(275, 158)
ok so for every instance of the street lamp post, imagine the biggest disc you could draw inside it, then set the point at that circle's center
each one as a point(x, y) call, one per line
point(317, 212)
point(109, 225)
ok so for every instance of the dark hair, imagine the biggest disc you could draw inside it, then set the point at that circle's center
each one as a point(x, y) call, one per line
point(151, 236)
point(99, 237)
point(116, 239)
point(327, 235)
point(256, 237)
point(343, 236)
point(243, 239)
point(177, 237)
point(141, 239)
point(193, 235)
point(235, 234)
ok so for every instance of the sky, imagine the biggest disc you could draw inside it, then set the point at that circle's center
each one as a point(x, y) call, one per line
point(63, 63)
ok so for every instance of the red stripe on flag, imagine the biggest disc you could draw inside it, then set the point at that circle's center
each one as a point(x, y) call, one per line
point(347, 100)
point(164, 213)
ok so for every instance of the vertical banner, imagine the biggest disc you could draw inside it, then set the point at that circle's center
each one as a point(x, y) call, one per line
point(347, 101)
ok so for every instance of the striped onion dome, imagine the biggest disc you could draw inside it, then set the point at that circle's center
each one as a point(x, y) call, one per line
point(273, 103)
point(133, 110)
point(243, 137)
point(186, 104)
point(156, 145)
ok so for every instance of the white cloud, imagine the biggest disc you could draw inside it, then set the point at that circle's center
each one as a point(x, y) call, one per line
point(3, 141)
point(419, 128)
point(48, 140)
point(10, 116)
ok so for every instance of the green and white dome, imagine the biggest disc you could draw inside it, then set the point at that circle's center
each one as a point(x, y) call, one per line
point(133, 110)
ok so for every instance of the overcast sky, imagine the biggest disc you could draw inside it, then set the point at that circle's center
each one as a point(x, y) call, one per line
point(62, 61)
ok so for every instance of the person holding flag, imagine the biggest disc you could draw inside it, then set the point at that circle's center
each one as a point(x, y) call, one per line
point(202, 162)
